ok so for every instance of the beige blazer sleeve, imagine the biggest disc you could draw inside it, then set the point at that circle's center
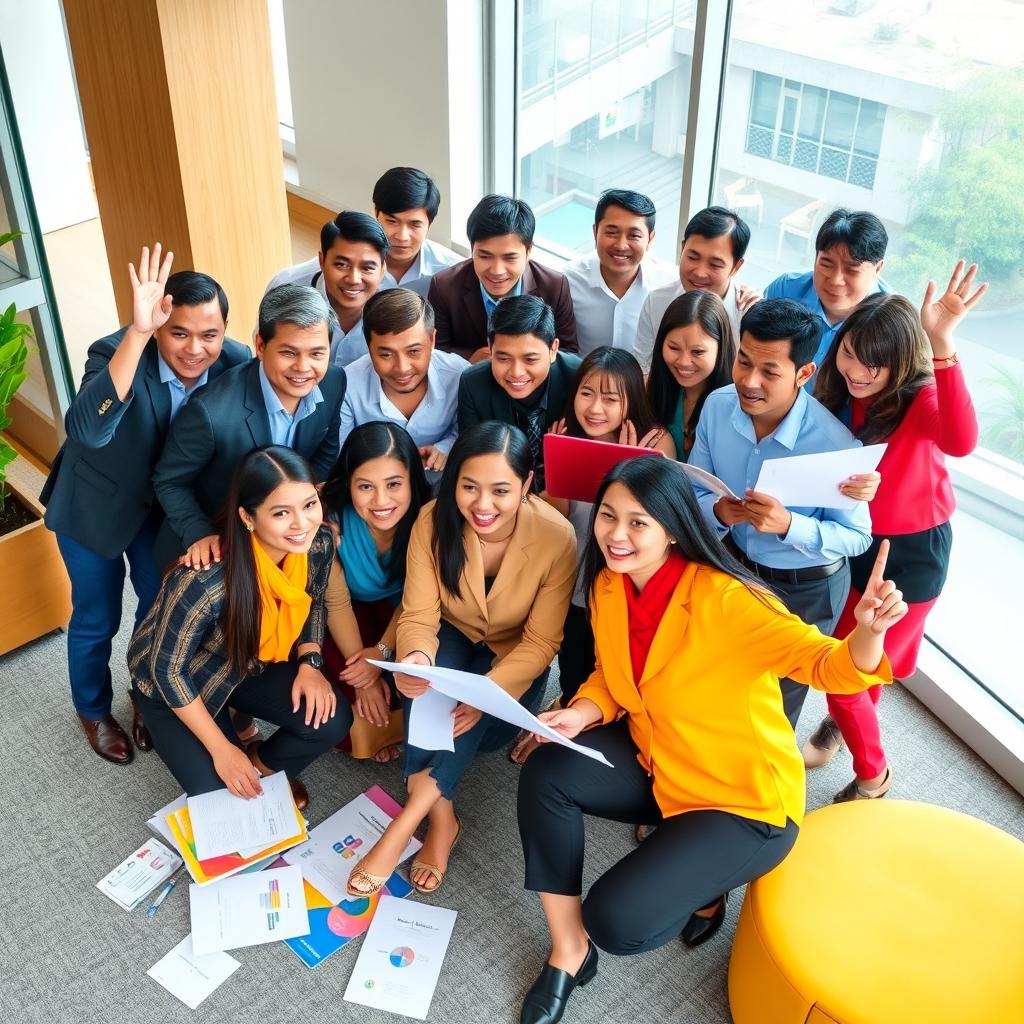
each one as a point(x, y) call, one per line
point(341, 619)
point(421, 598)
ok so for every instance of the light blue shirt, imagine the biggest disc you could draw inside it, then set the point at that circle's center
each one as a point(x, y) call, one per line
point(491, 304)
point(283, 424)
point(179, 396)
point(726, 446)
point(800, 288)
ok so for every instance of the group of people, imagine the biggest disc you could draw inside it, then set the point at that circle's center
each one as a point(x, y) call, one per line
point(371, 486)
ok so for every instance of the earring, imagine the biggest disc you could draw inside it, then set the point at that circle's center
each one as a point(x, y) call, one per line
point(249, 527)
point(525, 496)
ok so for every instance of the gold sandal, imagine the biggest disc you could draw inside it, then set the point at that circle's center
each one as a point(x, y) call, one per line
point(433, 869)
point(374, 882)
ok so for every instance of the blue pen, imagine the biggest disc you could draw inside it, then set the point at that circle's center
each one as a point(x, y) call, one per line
point(163, 894)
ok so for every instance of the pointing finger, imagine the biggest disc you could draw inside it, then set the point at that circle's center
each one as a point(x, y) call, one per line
point(878, 569)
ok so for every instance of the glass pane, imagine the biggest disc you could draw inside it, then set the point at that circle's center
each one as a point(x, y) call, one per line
point(812, 112)
point(840, 120)
point(764, 106)
point(869, 128)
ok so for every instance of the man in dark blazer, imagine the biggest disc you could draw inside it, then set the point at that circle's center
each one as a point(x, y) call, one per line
point(500, 233)
point(527, 380)
point(99, 496)
point(290, 395)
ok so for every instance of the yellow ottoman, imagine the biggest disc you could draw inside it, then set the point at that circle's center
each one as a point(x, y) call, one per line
point(885, 911)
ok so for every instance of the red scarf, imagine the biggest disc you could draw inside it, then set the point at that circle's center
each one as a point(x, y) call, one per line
point(647, 607)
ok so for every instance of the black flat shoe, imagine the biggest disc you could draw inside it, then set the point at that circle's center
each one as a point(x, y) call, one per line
point(545, 1002)
point(698, 930)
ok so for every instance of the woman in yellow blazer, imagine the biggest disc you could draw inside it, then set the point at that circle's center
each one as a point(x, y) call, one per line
point(685, 703)
point(489, 575)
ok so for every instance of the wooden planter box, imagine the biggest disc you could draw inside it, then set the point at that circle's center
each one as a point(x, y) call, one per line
point(35, 593)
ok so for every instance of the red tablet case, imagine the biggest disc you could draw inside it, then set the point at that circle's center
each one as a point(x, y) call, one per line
point(575, 466)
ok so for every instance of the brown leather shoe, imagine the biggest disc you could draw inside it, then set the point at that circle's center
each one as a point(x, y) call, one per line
point(299, 794)
point(140, 734)
point(108, 739)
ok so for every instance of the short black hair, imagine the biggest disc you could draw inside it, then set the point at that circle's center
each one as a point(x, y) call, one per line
point(784, 320)
point(498, 215)
point(353, 226)
point(522, 314)
point(635, 202)
point(862, 233)
point(715, 221)
point(190, 288)
point(406, 188)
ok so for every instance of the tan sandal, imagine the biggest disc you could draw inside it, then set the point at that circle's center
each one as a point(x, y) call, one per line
point(433, 869)
point(374, 884)
point(854, 791)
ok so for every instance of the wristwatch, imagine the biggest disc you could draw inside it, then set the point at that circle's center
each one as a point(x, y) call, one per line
point(385, 652)
point(314, 659)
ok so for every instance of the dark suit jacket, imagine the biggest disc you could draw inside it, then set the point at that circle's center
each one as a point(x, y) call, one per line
point(213, 432)
point(100, 488)
point(461, 320)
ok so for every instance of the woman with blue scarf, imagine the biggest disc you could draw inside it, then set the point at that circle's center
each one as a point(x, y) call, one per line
point(372, 497)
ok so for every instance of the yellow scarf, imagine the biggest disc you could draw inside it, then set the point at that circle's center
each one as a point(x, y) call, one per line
point(284, 603)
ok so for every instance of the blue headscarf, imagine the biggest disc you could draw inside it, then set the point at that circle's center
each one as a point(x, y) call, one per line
point(366, 573)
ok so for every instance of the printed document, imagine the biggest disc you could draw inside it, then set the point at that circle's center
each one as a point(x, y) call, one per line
point(812, 481)
point(192, 978)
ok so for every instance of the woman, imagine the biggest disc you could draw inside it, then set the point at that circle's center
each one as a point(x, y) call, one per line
point(244, 634)
point(690, 650)
point(693, 355)
point(893, 376)
point(490, 573)
point(373, 495)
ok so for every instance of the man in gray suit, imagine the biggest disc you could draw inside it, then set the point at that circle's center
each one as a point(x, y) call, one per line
point(99, 495)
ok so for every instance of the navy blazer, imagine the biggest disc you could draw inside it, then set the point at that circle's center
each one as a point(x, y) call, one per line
point(223, 423)
point(100, 491)
point(460, 317)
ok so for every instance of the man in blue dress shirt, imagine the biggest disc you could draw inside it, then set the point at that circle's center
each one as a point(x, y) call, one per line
point(801, 553)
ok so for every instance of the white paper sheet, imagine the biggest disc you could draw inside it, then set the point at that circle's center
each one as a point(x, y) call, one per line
point(478, 692)
point(248, 910)
point(192, 978)
point(338, 843)
point(400, 961)
point(225, 823)
point(707, 480)
point(431, 727)
point(158, 823)
point(812, 481)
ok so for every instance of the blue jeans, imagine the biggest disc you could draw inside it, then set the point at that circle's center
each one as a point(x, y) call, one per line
point(456, 650)
point(97, 590)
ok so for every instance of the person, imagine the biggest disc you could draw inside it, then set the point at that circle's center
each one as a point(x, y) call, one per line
point(802, 553)
point(403, 377)
point(373, 495)
point(849, 255)
point(500, 231)
point(405, 203)
point(289, 395)
point(490, 571)
point(714, 246)
point(247, 635)
point(347, 271)
point(610, 285)
point(526, 381)
point(99, 494)
point(894, 376)
point(691, 720)
point(693, 355)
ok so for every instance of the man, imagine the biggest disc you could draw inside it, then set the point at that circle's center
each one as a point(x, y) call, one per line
point(714, 244)
point(801, 553)
point(405, 203)
point(348, 271)
point(500, 233)
point(99, 496)
point(290, 395)
point(527, 379)
point(850, 251)
point(609, 287)
point(403, 378)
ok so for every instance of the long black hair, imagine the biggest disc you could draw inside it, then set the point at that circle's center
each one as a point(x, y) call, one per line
point(487, 438)
point(374, 441)
point(663, 489)
point(260, 473)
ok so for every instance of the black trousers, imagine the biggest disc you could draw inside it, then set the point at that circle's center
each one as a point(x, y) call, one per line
point(644, 900)
point(576, 657)
point(268, 696)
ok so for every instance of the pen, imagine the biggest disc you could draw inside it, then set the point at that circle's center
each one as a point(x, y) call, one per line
point(163, 894)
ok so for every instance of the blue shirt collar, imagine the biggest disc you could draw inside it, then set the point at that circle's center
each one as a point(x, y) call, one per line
point(786, 433)
point(490, 304)
point(306, 404)
point(168, 376)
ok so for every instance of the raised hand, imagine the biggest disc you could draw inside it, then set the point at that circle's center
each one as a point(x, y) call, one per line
point(881, 605)
point(940, 317)
point(558, 427)
point(150, 307)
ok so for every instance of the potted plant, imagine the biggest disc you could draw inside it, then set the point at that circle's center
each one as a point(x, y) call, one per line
point(13, 358)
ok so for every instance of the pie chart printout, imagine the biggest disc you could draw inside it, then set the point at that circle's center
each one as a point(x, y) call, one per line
point(401, 956)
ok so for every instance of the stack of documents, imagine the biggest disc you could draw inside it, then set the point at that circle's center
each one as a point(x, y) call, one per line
point(131, 882)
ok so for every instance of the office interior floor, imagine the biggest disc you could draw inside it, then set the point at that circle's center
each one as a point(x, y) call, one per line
point(68, 954)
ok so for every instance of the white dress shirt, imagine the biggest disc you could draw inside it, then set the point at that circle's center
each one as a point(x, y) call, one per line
point(654, 309)
point(601, 317)
point(434, 421)
point(432, 257)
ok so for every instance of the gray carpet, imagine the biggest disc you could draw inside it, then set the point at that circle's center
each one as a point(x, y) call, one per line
point(69, 955)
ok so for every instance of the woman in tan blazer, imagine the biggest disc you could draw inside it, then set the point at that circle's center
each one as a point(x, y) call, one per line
point(489, 575)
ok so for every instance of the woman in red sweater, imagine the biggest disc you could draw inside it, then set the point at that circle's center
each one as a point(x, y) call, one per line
point(893, 376)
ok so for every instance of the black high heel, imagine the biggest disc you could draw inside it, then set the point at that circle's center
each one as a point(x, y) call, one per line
point(548, 995)
point(698, 930)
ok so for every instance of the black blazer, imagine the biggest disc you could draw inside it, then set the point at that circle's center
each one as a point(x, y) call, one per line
point(100, 491)
point(460, 317)
point(213, 432)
